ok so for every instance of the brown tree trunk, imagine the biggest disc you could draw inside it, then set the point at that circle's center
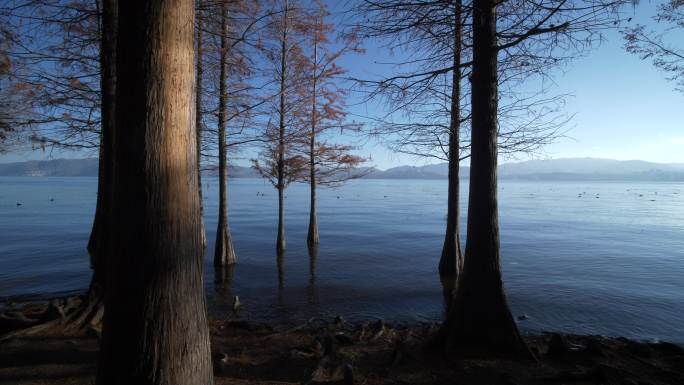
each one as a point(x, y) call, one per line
point(312, 237)
point(198, 120)
point(280, 242)
point(91, 310)
point(480, 318)
point(155, 323)
point(224, 253)
point(451, 262)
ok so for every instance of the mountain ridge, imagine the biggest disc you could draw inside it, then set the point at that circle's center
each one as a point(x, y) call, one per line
point(549, 169)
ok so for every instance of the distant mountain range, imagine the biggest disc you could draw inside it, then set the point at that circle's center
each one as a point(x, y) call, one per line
point(52, 167)
point(552, 169)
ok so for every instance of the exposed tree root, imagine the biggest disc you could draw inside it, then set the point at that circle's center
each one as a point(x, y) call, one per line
point(64, 316)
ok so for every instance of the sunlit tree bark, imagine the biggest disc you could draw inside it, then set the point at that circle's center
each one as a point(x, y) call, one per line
point(155, 324)
point(198, 115)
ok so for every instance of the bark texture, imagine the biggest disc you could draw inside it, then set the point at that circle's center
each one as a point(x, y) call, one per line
point(198, 120)
point(155, 326)
point(224, 253)
point(480, 319)
point(451, 261)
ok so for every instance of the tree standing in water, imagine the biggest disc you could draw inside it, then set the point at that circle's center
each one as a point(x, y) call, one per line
point(228, 95)
point(480, 316)
point(279, 162)
point(451, 260)
point(155, 324)
point(330, 164)
point(224, 252)
point(429, 102)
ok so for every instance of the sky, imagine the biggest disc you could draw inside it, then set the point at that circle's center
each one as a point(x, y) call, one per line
point(623, 108)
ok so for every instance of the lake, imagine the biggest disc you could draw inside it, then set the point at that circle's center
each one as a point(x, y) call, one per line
point(579, 257)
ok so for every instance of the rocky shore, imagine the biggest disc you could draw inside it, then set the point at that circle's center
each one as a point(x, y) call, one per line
point(332, 351)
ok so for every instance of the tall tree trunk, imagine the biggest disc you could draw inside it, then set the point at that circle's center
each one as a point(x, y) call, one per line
point(224, 253)
point(280, 242)
point(312, 237)
point(198, 119)
point(91, 311)
point(155, 323)
point(451, 262)
point(480, 318)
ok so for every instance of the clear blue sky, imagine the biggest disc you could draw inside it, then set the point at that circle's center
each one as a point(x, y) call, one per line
point(624, 108)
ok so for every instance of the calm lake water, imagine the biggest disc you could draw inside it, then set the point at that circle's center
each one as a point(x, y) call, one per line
point(610, 261)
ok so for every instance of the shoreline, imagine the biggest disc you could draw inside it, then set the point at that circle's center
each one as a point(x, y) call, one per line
point(21, 302)
point(333, 351)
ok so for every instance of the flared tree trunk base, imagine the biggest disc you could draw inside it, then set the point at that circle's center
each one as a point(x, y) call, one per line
point(480, 324)
point(224, 253)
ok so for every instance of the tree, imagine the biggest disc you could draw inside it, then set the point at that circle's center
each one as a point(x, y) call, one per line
point(648, 44)
point(199, 68)
point(224, 252)
point(229, 96)
point(330, 164)
point(279, 162)
point(479, 318)
point(155, 326)
point(57, 69)
point(92, 310)
point(428, 102)
point(31, 59)
point(11, 109)
point(7, 106)
point(451, 260)
point(480, 314)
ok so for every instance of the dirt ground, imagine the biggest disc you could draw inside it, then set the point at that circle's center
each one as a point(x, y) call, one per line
point(334, 352)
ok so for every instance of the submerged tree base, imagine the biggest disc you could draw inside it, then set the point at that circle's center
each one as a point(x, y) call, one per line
point(335, 352)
